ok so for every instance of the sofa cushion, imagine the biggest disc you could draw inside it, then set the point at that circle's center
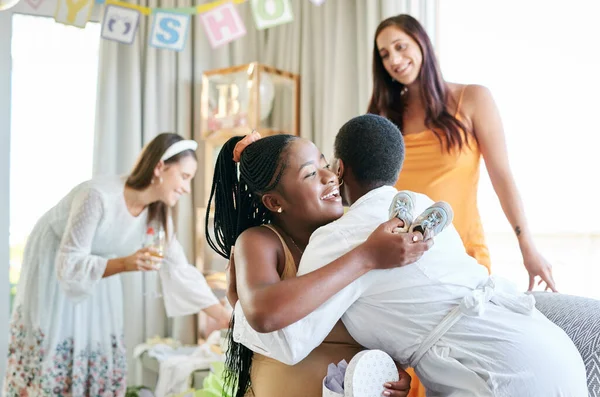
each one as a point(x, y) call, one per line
point(580, 319)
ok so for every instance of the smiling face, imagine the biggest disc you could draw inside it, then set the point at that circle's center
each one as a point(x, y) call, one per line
point(400, 54)
point(176, 179)
point(308, 190)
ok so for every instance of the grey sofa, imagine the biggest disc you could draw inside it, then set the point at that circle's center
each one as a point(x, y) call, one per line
point(580, 319)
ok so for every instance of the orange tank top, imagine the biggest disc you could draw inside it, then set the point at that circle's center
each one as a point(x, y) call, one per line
point(449, 176)
point(271, 378)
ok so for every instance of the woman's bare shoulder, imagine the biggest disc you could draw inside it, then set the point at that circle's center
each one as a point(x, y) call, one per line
point(258, 235)
point(472, 94)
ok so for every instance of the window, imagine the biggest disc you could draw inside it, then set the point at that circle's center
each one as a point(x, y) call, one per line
point(538, 59)
point(53, 105)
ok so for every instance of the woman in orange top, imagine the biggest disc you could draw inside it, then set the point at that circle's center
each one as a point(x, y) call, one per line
point(447, 127)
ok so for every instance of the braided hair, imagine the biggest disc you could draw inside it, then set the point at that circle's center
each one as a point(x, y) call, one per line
point(238, 206)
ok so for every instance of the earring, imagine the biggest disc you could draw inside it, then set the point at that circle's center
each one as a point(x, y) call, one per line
point(403, 91)
point(160, 180)
point(341, 182)
point(279, 210)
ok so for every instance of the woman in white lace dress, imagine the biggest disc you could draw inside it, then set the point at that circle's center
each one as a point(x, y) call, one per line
point(66, 331)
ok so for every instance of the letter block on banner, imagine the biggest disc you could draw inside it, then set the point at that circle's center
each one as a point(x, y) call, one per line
point(120, 24)
point(170, 30)
point(73, 12)
point(222, 25)
point(269, 13)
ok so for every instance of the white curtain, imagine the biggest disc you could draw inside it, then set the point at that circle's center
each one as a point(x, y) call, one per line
point(143, 91)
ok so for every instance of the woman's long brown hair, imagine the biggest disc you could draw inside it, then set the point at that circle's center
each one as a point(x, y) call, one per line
point(143, 172)
point(387, 99)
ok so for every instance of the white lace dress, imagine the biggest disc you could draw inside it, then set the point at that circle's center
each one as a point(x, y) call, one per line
point(66, 331)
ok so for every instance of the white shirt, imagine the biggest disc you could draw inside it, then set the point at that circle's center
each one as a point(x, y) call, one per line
point(427, 314)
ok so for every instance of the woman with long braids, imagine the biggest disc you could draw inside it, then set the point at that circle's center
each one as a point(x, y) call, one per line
point(284, 192)
point(447, 128)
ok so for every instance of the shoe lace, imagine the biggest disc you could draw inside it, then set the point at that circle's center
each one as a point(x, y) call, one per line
point(432, 220)
point(401, 209)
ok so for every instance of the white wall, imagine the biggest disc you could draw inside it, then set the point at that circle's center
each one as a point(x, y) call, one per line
point(548, 110)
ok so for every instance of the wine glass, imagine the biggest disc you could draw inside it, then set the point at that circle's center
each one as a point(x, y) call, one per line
point(155, 238)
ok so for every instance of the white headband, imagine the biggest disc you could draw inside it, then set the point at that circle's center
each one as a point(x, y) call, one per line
point(179, 147)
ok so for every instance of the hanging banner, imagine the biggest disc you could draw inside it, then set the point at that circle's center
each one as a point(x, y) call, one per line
point(120, 24)
point(73, 12)
point(269, 13)
point(170, 26)
point(170, 30)
point(222, 25)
